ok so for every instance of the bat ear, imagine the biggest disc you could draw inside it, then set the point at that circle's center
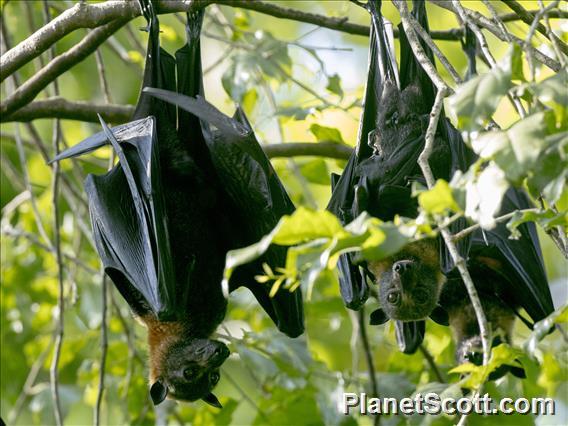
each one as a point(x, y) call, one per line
point(158, 392)
point(440, 316)
point(212, 400)
point(378, 317)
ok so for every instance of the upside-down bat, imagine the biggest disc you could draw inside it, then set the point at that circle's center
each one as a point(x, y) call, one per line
point(165, 216)
point(412, 284)
point(377, 179)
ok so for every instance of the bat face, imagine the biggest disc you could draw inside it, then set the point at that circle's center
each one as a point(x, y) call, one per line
point(399, 117)
point(190, 371)
point(409, 282)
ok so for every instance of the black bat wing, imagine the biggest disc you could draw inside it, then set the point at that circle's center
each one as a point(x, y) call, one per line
point(521, 260)
point(253, 186)
point(127, 214)
point(343, 202)
point(127, 204)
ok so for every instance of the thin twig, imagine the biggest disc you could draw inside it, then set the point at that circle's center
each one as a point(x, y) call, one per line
point(60, 323)
point(428, 40)
point(430, 360)
point(465, 232)
point(246, 397)
point(16, 233)
point(419, 52)
point(354, 342)
point(486, 52)
point(486, 23)
point(369, 357)
point(546, 12)
point(104, 347)
point(26, 178)
point(28, 385)
point(308, 196)
point(102, 76)
point(529, 18)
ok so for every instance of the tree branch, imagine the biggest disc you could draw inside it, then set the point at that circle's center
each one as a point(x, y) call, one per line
point(71, 110)
point(486, 23)
point(85, 15)
point(29, 90)
point(298, 149)
point(82, 15)
point(528, 18)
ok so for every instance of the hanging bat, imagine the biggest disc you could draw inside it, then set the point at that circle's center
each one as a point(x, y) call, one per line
point(166, 214)
point(378, 178)
point(508, 274)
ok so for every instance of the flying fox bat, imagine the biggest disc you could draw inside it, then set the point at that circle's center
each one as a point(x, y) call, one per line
point(166, 214)
point(508, 274)
point(378, 179)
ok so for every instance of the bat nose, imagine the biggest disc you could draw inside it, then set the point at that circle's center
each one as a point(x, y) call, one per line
point(220, 354)
point(402, 266)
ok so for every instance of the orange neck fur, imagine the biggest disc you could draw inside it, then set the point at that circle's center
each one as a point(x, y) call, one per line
point(161, 336)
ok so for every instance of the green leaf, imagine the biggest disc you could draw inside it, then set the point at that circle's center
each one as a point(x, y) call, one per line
point(517, 63)
point(476, 100)
point(305, 224)
point(316, 171)
point(249, 100)
point(549, 175)
point(500, 355)
point(547, 219)
point(517, 149)
point(439, 199)
point(334, 85)
point(384, 242)
point(237, 79)
point(241, 19)
point(553, 89)
point(317, 239)
point(326, 134)
point(484, 195)
point(543, 327)
point(296, 113)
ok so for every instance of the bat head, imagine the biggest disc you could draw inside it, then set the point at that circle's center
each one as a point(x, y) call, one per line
point(190, 371)
point(399, 118)
point(409, 282)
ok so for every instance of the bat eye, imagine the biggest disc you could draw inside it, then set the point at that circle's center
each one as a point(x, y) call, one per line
point(214, 377)
point(190, 373)
point(393, 297)
point(394, 118)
